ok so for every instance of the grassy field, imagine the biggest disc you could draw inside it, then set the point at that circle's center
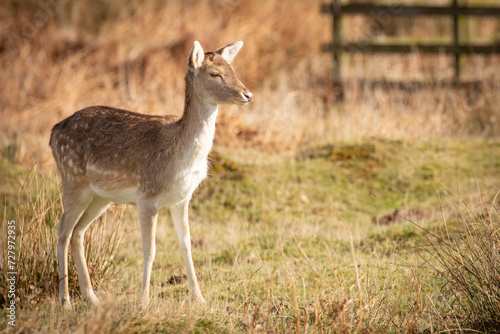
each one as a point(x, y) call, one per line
point(308, 243)
point(378, 213)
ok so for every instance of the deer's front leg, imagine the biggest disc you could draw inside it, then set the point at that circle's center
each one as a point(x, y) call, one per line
point(148, 215)
point(179, 214)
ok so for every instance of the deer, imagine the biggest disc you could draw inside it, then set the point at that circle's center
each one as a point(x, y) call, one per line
point(106, 155)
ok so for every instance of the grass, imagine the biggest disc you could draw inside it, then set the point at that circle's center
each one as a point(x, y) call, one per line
point(36, 210)
point(290, 245)
point(468, 260)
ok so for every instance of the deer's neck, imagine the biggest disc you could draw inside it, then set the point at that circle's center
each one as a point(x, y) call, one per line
point(197, 125)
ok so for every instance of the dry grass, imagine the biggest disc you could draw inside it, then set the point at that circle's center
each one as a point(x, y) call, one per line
point(467, 254)
point(36, 212)
point(57, 59)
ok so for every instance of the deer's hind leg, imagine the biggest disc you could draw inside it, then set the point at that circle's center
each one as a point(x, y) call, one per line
point(76, 201)
point(96, 207)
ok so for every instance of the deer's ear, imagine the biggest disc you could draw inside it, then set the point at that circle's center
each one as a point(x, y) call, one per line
point(228, 52)
point(196, 56)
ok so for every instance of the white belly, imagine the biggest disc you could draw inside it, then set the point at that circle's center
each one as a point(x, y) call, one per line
point(119, 196)
point(181, 189)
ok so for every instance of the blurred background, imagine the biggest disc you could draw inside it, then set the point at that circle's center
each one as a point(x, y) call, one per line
point(59, 56)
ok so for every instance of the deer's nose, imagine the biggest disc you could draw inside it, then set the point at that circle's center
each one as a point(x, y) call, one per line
point(248, 96)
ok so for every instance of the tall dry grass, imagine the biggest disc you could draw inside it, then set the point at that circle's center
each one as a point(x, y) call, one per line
point(462, 252)
point(35, 213)
point(467, 252)
point(57, 57)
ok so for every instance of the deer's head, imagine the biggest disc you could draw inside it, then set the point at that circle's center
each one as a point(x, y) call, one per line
point(213, 77)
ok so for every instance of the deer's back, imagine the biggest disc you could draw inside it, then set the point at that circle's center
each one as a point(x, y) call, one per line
point(109, 147)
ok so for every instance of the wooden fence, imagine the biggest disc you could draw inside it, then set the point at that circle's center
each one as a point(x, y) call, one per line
point(454, 48)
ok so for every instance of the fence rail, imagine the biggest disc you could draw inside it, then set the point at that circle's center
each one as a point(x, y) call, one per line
point(407, 48)
point(454, 9)
point(337, 47)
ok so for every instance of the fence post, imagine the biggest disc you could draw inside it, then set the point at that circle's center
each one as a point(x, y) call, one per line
point(456, 41)
point(337, 46)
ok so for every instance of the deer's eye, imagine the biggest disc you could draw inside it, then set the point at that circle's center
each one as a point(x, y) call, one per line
point(215, 75)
